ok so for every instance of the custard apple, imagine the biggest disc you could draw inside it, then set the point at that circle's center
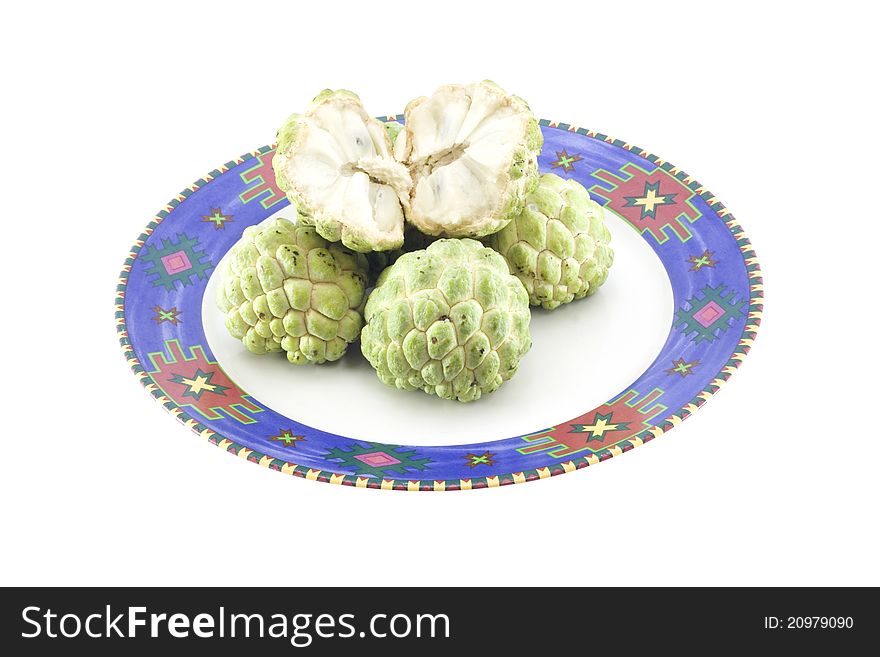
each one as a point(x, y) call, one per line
point(559, 245)
point(449, 320)
point(284, 287)
point(335, 164)
point(472, 153)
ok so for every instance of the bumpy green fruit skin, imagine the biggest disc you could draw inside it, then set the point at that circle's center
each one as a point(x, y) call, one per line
point(558, 245)
point(449, 320)
point(392, 129)
point(286, 288)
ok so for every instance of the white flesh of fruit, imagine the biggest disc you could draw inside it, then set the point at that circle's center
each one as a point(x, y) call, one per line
point(461, 146)
point(344, 168)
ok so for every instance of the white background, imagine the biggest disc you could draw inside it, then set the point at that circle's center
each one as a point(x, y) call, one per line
point(109, 110)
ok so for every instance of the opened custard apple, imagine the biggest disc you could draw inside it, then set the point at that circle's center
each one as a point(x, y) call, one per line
point(558, 245)
point(335, 164)
point(449, 320)
point(286, 288)
point(472, 155)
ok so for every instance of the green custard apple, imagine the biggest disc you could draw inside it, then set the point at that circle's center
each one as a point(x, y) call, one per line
point(472, 154)
point(558, 245)
point(286, 288)
point(335, 164)
point(449, 320)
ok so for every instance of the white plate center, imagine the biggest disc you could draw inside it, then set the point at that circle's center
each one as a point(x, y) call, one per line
point(583, 354)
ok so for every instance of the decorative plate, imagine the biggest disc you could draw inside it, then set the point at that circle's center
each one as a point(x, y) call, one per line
point(716, 292)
